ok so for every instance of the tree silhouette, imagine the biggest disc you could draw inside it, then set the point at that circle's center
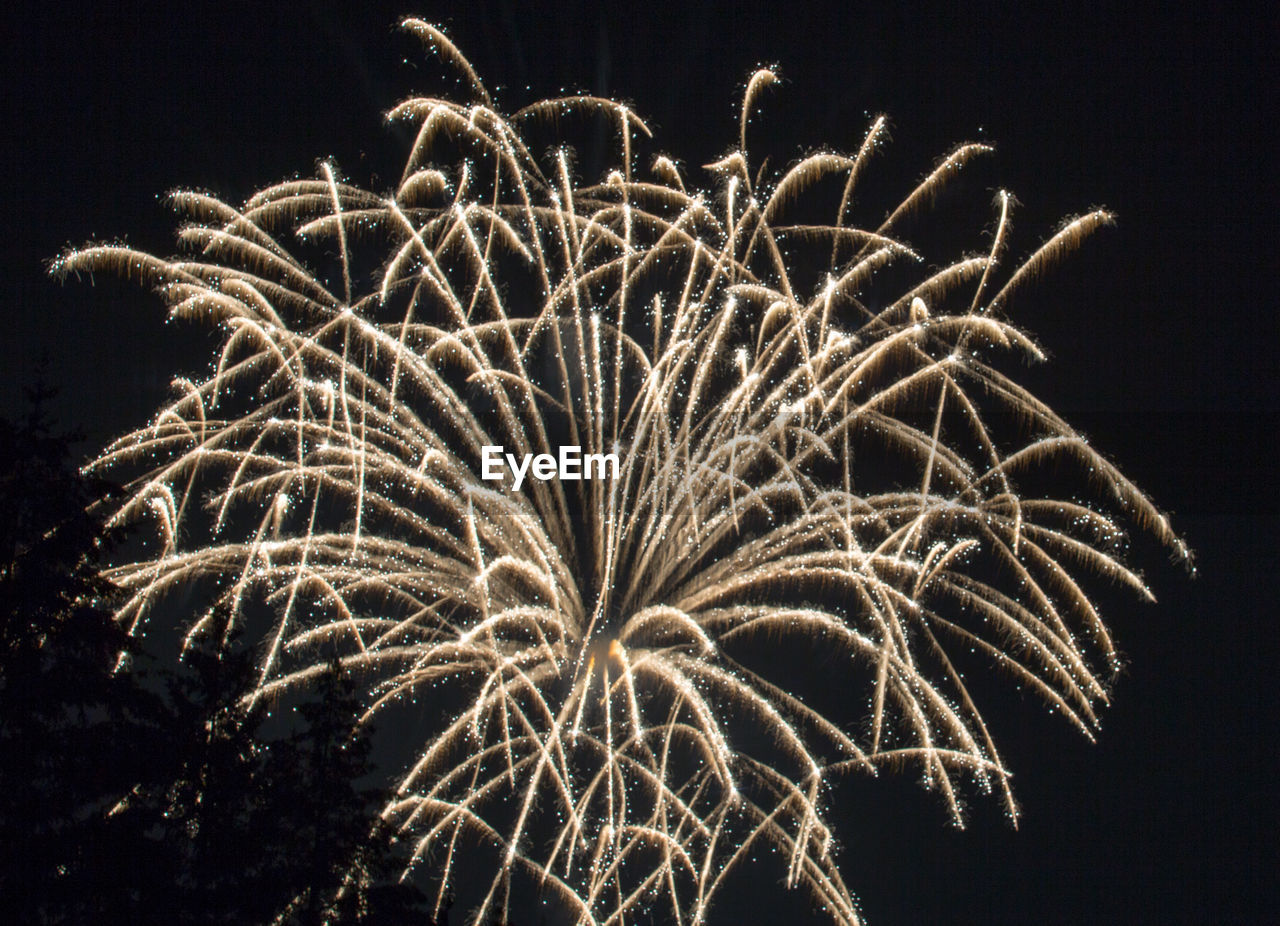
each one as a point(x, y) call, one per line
point(74, 735)
point(344, 854)
point(139, 796)
point(276, 829)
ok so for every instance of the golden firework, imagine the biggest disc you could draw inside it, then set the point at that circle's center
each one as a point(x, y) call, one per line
point(796, 471)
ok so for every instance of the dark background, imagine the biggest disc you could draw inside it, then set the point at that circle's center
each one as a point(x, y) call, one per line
point(1162, 331)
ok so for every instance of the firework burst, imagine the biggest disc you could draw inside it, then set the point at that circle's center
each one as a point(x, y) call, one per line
point(798, 472)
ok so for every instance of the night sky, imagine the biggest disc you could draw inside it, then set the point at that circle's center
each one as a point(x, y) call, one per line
point(1162, 332)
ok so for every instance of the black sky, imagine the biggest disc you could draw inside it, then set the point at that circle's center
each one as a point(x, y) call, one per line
point(1162, 331)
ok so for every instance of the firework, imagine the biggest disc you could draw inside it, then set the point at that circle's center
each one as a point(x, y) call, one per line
point(786, 472)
